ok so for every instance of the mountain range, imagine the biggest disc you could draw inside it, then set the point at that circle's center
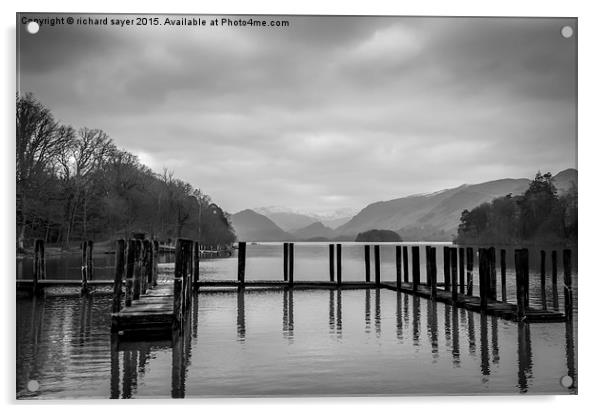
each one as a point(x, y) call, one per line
point(425, 217)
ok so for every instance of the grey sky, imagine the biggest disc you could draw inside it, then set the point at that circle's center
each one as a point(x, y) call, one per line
point(331, 112)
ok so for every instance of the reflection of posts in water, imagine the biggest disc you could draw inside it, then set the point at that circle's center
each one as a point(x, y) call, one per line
point(495, 348)
point(377, 311)
point(287, 313)
point(416, 319)
point(291, 313)
point(471, 335)
point(129, 373)
point(447, 325)
point(570, 353)
point(331, 310)
point(339, 315)
point(433, 327)
point(484, 346)
point(85, 318)
point(114, 366)
point(455, 338)
point(525, 357)
point(398, 317)
point(284, 312)
point(240, 313)
point(406, 309)
point(367, 314)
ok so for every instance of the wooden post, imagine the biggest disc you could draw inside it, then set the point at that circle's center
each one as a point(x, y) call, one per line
point(118, 280)
point(503, 272)
point(196, 264)
point(415, 267)
point(568, 282)
point(87, 265)
point(242, 252)
point(36, 266)
point(155, 262)
point(146, 265)
point(454, 274)
point(428, 265)
point(521, 266)
point(433, 266)
point(285, 260)
point(130, 254)
point(542, 279)
point(461, 266)
point(398, 266)
point(339, 269)
point(291, 262)
point(492, 274)
point(483, 277)
point(331, 261)
point(555, 279)
point(178, 290)
point(446, 277)
point(367, 261)
point(406, 273)
point(377, 265)
point(137, 269)
point(469, 269)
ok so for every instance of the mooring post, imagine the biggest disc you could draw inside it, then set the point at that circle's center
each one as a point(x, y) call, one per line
point(146, 266)
point(291, 263)
point(339, 269)
point(568, 284)
point(285, 261)
point(542, 279)
point(118, 280)
point(469, 269)
point(178, 287)
point(155, 262)
point(446, 264)
point(415, 267)
point(196, 264)
point(461, 267)
point(503, 273)
point(38, 247)
point(483, 277)
point(130, 259)
point(406, 261)
point(454, 274)
point(398, 266)
point(427, 255)
point(492, 274)
point(84, 270)
point(242, 252)
point(521, 268)
point(367, 261)
point(137, 268)
point(433, 259)
point(555, 279)
point(377, 265)
point(331, 261)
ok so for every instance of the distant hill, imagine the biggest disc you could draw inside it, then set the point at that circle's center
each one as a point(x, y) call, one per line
point(291, 220)
point(378, 235)
point(251, 226)
point(317, 230)
point(436, 216)
point(288, 221)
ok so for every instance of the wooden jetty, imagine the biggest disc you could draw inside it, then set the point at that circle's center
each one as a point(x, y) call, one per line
point(153, 309)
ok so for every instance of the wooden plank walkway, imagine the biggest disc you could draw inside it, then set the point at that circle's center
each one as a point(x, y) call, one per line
point(150, 316)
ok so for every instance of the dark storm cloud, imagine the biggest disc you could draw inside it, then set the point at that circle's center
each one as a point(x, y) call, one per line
point(331, 112)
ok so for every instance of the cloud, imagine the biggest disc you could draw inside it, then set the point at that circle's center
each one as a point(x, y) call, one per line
point(331, 112)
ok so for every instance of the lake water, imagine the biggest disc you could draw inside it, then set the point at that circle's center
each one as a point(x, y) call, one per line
point(304, 342)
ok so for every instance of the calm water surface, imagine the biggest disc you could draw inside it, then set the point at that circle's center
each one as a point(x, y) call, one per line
point(303, 342)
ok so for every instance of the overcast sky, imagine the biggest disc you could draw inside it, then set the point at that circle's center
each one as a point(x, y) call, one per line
point(331, 112)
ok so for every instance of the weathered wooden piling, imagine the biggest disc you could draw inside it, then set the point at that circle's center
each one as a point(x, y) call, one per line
point(446, 263)
point(555, 279)
point(454, 273)
point(503, 273)
point(377, 265)
point(432, 258)
point(568, 284)
point(130, 262)
point(469, 269)
point(118, 280)
point(521, 266)
point(492, 275)
point(398, 266)
point(427, 252)
point(242, 255)
point(291, 263)
point(285, 261)
point(39, 265)
point(180, 274)
point(196, 264)
point(367, 261)
point(483, 277)
point(415, 267)
point(542, 279)
point(155, 262)
point(87, 267)
point(331, 261)
point(137, 268)
point(406, 274)
point(461, 267)
point(339, 268)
